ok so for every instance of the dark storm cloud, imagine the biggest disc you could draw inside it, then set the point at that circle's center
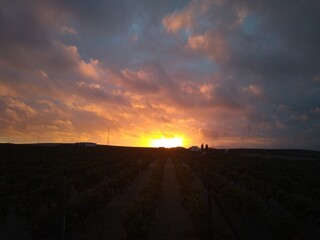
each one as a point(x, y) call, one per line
point(282, 42)
point(21, 28)
point(271, 44)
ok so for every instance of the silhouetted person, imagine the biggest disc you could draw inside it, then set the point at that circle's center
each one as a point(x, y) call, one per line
point(207, 148)
point(202, 147)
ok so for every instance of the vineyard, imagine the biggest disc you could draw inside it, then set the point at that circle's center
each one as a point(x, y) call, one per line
point(31, 188)
point(71, 192)
point(272, 197)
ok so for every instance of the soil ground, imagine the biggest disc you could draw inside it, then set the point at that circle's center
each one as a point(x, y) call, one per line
point(172, 221)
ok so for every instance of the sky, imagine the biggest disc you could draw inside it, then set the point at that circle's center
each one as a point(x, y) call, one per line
point(227, 73)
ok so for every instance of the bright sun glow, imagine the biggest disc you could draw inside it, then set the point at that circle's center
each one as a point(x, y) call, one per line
point(167, 142)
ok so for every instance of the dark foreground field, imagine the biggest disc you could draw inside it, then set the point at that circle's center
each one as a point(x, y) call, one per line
point(69, 192)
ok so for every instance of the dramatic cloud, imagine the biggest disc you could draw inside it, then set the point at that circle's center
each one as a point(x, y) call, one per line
point(186, 18)
point(227, 73)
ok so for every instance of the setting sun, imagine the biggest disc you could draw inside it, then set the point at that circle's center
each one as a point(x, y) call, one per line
point(167, 142)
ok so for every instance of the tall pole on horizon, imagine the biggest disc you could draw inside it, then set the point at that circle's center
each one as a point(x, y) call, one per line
point(108, 136)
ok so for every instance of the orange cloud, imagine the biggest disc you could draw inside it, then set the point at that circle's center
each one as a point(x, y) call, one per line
point(177, 21)
point(12, 115)
point(185, 19)
point(141, 80)
point(211, 43)
point(6, 91)
point(63, 124)
point(21, 106)
point(91, 69)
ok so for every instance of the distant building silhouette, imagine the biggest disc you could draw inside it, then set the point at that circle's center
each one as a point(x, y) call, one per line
point(86, 144)
point(194, 148)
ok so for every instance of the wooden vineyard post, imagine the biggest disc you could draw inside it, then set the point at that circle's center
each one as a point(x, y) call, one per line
point(61, 200)
point(208, 187)
point(209, 192)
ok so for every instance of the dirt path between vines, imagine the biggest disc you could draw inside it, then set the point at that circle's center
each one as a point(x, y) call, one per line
point(108, 224)
point(172, 221)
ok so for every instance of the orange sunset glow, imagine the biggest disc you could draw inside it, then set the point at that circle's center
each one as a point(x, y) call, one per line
point(167, 142)
point(214, 72)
